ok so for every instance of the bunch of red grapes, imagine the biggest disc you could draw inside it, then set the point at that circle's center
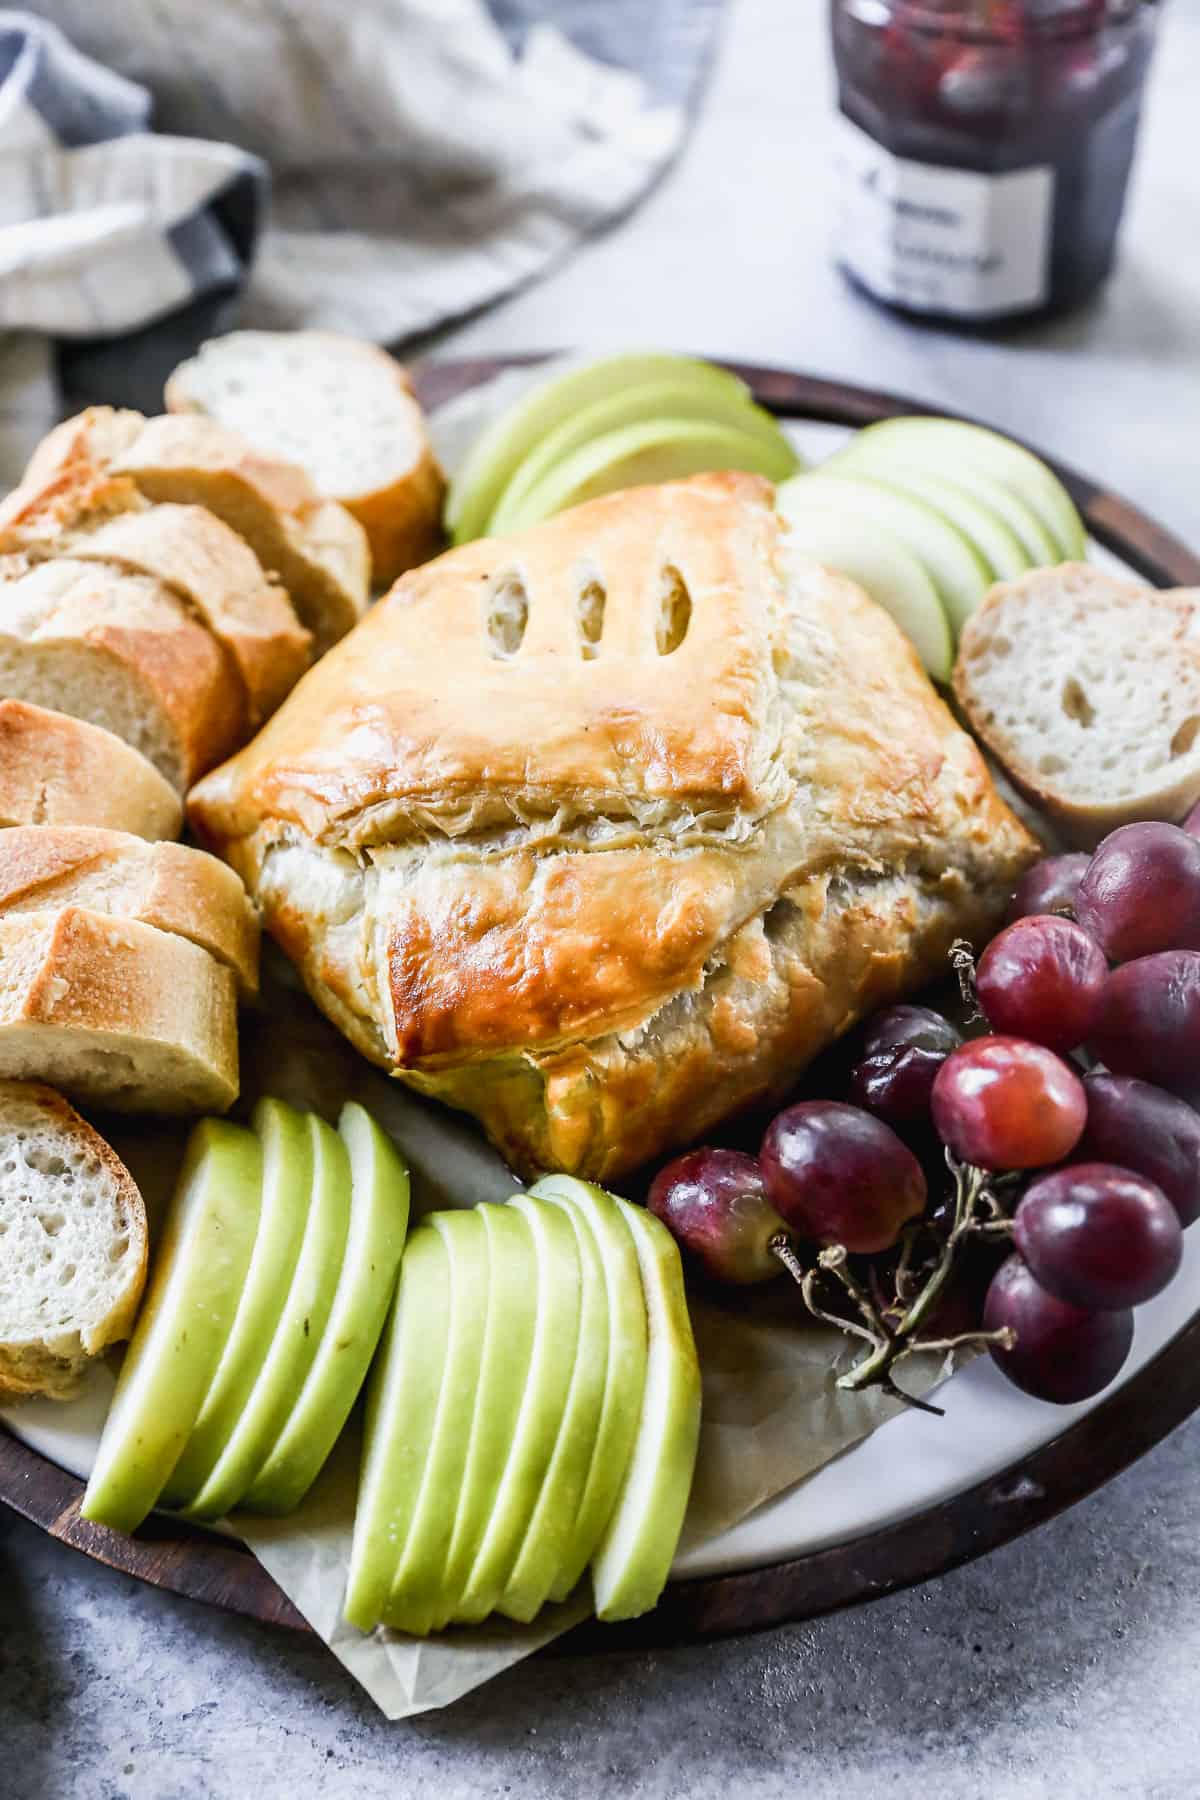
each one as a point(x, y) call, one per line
point(1079, 1101)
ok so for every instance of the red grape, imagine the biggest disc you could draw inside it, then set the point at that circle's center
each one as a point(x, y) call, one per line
point(1062, 1353)
point(1002, 1103)
point(715, 1206)
point(1192, 822)
point(839, 1176)
point(1151, 1021)
point(903, 1049)
point(1142, 1127)
point(896, 1027)
point(1043, 978)
point(1098, 1236)
point(1050, 886)
point(1141, 892)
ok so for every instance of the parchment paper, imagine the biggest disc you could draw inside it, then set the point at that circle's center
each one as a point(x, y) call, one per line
point(771, 1411)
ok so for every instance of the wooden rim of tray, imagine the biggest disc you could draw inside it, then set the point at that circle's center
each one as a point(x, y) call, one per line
point(930, 1542)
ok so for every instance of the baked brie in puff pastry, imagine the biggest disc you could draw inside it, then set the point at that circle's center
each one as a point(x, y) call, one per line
point(602, 831)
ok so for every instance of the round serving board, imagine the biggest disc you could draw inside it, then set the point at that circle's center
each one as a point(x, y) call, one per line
point(952, 1508)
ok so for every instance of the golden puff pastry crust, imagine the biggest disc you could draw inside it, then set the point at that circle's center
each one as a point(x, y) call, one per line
point(603, 831)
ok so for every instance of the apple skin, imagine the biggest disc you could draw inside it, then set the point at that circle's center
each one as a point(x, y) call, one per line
point(298, 1333)
point(401, 1413)
point(637, 455)
point(499, 450)
point(679, 397)
point(418, 1586)
point(539, 1420)
point(286, 1186)
point(633, 1560)
point(507, 1348)
point(951, 444)
point(549, 1536)
point(379, 1210)
point(185, 1319)
point(600, 1214)
point(999, 546)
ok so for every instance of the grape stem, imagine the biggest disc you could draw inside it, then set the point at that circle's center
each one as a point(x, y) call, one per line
point(962, 961)
point(782, 1247)
point(977, 1208)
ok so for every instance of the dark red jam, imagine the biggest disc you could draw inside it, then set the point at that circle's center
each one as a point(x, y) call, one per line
point(985, 148)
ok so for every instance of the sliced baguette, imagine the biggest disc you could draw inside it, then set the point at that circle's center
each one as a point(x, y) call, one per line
point(341, 408)
point(55, 770)
point(170, 886)
point(1086, 689)
point(318, 551)
point(121, 651)
point(117, 1013)
point(74, 1235)
point(220, 580)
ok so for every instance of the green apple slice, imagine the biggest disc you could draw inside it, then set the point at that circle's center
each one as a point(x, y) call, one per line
point(499, 451)
point(185, 1319)
point(890, 460)
point(633, 1560)
point(379, 1204)
point(644, 403)
point(401, 1412)
point(625, 1381)
point(509, 1329)
point(286, 1185)
point(638, 455)
point(417, 1589)
point(952, 445)
point(298, 1333)
point(549, 1539)
point(547, 1385)
point(888, 571)
point(996, 542)
point(955, 567)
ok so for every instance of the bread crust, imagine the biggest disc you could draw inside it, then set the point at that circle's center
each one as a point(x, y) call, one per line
point(28, 1367)
point(169, 886)
point(1061, 601)
point(318, 551)
point(603, 900)
point(104, 519)
point(55, 770)
point(403, 519)
point(156, 1015)
point(137, 622)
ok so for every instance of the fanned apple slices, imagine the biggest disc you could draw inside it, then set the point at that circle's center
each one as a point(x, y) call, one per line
point(266, 1300)
point(534, 1410)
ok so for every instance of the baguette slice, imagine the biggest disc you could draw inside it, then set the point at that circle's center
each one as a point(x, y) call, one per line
point(318, 551)
point(121, 651)
point(169, 886)
point(118, 1013)
point(55, 770)
point(1086, 689)
point(220, 580)
point(341, 408)
point(74, 1230)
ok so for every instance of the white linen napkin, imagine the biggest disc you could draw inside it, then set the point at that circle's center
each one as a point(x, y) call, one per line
point(426, 156)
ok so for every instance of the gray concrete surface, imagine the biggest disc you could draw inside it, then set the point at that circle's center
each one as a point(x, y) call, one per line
point(1064, 1665)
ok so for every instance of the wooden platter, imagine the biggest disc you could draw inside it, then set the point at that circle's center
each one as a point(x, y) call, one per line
point(1081, 1459)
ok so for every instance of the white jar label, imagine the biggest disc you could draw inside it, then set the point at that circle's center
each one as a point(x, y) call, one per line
point(942, 240)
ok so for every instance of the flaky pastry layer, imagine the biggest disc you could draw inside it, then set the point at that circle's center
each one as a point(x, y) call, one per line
point(603, 831)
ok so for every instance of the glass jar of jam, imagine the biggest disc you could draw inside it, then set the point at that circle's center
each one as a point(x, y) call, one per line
point(985, 148)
